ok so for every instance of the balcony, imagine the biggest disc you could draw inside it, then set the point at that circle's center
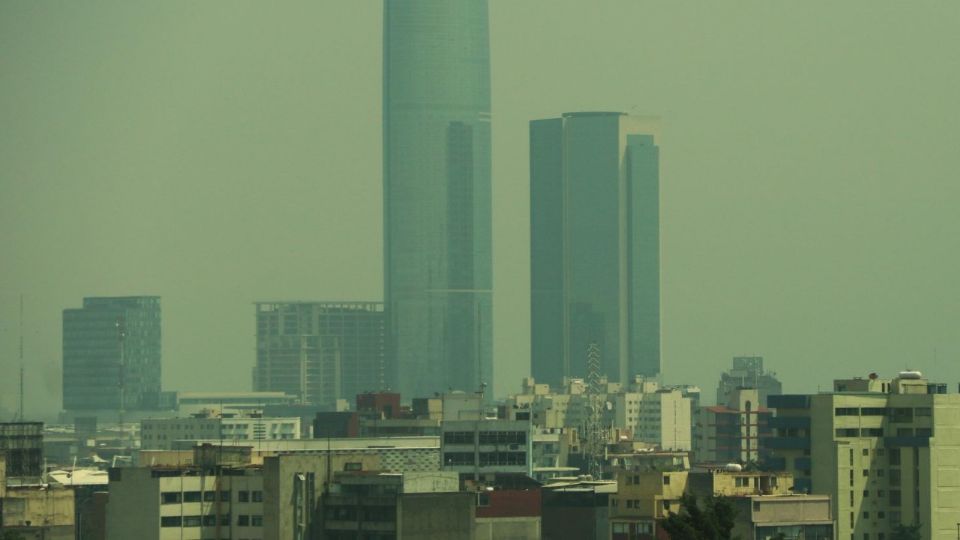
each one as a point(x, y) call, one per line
point(786, 443)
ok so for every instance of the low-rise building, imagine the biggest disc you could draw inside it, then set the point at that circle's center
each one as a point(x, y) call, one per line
point(163, 433)
point(190, 503)
point(576, 508)
point(478, 448)
point(363, 504)
point(766, 506)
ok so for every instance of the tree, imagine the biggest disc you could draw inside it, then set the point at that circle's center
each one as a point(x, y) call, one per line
point(711, 520)
point(906, 532)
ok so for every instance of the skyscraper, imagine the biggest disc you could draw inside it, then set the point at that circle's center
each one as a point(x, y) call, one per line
point(320, 351)
point(111, 354)
point(595, 245)
point(436, 194)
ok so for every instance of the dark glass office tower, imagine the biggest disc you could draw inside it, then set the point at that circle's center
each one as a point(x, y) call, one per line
point(111, 354)
point(436, 189)
point(595, 245)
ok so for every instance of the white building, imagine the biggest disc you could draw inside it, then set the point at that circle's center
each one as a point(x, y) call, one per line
point(162, 433)
point(174, 503)
point(479, 447)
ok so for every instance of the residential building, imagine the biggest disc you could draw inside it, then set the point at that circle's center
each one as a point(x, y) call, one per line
point(33, 510)
point(887, 452)
point(479, 448)
point(747, 372)
point(437, 195)
point(595, 245)
point(766, 506)
point(187, 502)
point(365, 504)
point(164, 433)
point(21, 443)
point(320, 351)
point(735, 431)
point(189, 403)
point(112, 354)
point(508, 506)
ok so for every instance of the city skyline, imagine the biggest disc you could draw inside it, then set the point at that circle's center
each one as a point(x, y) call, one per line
point(808, 215)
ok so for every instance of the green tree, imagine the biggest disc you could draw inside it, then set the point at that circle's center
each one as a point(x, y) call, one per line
point(711, 520)
point(906, 532)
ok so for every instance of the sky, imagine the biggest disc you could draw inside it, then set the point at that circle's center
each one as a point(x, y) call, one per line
point(219, 153)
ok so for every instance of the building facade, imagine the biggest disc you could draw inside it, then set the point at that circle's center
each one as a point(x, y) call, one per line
point(886, 451)
point(320, 351)
point(163, 433)
point(436, 189)
point(747, 372)
point(734, 431)
point(112, 354)
point(595, 245)
point(478, 448)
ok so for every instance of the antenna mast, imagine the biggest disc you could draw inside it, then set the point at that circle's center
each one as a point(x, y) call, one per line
point(20, 410)
point(596, 438)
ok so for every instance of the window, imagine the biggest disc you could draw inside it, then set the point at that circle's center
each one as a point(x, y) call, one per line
point(209, 496)
point(866, 515)
point(620, 528)
point(895, 497)
point(866, 472)
point(209, 520)
point(243, 496)
point(170, 521)
point(894, 456)
point(191, 521)
point(881, 514)
point(924, 432)
point(866, 451)
point(256, 521)
point(243, 521)
point(170, 497)
point(866, 493)
point(353, 466)
point(851, 498)
point(901, 415)
point(743, 481)
point(191, 496)
point(458, 437)
point(894, 477)
point(873, 411)
point(848, 432)
point(256, 496)
point(904, 432)
point(846, 411)
point(224, 496)
point(923, 411)
point(666, 480)
point(871, 432)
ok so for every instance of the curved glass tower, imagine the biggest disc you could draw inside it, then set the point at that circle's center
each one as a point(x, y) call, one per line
point(436, 190)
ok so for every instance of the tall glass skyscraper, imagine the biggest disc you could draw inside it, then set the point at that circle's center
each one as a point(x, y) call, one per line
point(436, 194)
point(112, 354)
point(595, 245)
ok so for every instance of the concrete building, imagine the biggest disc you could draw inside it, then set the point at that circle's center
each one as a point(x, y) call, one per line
point(747, 372)
point(189, 403)
point(189, 503)
point(21, 446)
point(595, 245)
point(112, 355)
point(766, 505)
point(400, 506)
point(735, 431)
point(164, 433)
point(577, 508)
point(437, 195)
point(886, 451)
point(37, 511)
point(320, 351)
point(508, 506)
point(479, 448)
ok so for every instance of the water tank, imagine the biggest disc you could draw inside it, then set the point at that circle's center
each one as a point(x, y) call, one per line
point(910, 374)
point(733, 467)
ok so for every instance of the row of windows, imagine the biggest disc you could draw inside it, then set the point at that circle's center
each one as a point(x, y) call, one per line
point(243, 520)
point(485, 437)
point(176, 497)
point(896, 414)
point(486, 458)
point(878, 432)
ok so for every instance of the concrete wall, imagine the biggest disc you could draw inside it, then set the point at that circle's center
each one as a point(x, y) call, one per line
point(440, 516)
point(515, 528)
point(39, 513)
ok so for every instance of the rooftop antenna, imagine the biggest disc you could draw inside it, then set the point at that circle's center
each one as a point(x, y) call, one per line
point(20, 410)
point(596, 438)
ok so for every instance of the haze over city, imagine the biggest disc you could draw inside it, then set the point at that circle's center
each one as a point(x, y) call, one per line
point(220, 154)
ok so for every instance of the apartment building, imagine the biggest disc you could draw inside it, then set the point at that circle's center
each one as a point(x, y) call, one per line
point(887, 451)
point(163, 433)
point(734, 431)
point(476, 448)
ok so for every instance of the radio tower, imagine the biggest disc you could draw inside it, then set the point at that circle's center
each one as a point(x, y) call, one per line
point(596, 437)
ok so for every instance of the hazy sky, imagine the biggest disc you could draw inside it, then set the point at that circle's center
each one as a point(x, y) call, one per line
point(217, 153)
